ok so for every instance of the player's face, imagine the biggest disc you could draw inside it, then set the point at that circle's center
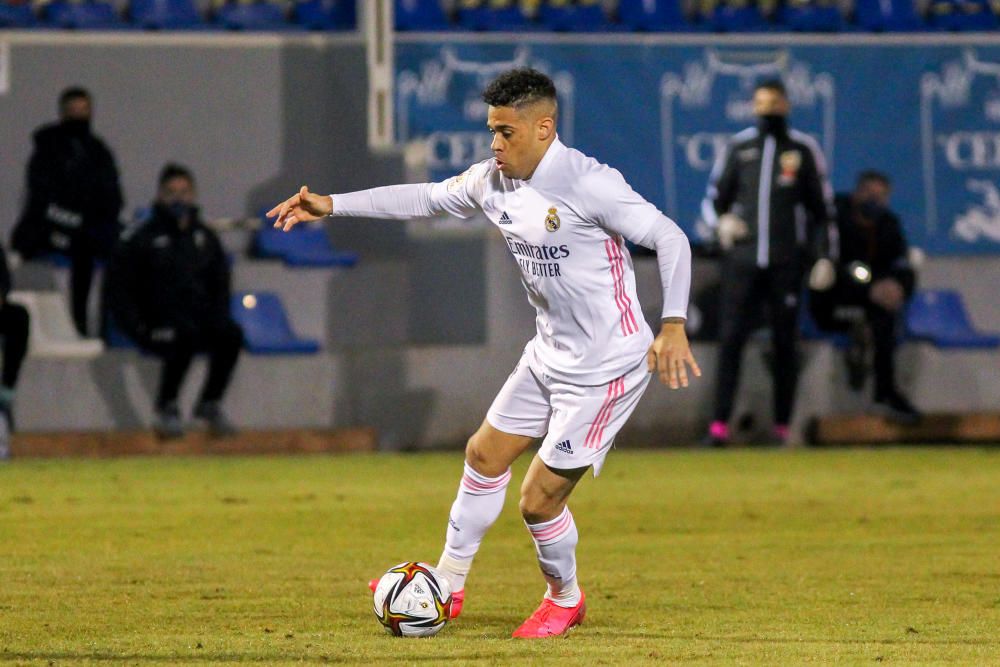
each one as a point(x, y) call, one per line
point(768, 102)
point(177, 190)
point(77, 108)
point(520, 137)
point(874, 192)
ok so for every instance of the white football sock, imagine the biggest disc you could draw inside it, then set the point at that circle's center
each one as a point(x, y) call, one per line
point(555, 542)
point(476, 508)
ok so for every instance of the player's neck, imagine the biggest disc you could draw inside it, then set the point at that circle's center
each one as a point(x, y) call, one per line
point(541, 156)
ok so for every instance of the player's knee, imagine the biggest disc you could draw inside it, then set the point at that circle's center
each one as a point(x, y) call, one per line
point(538, 507)
point(477, 455)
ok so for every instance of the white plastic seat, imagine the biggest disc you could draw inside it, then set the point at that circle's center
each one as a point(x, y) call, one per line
point(52, 332)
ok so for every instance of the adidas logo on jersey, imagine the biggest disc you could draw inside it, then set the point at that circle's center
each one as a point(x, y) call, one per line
point(505, 219)
point(564, 447)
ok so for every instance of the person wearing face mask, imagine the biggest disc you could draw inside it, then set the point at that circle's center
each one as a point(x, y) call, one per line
point(168, 289)
point(874, 280)
point(73, 197)
point(768, 203)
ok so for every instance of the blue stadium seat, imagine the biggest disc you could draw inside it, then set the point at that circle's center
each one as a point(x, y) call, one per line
point(491, 15)
point(887, 15)
point(646, 16)
point(304, 246)
point(16, 15)
point(940, 317)
point(265, 325)
point(88, 15)
point(961, 15)
point(811, 16)
point(570, 16)
point(738, 16)
point(251, 16)
point(164, 14)
point(421, 15)
point(325, 14)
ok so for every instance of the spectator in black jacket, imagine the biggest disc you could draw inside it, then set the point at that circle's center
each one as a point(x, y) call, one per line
point(14, 323)
point(73, 198)
point(874, 280)
point(767, 197)
point(168, 289)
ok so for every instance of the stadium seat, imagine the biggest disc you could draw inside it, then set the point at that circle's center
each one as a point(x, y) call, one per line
point(16, 15)
point(940, 317)
point(52, 331)
point(570, 16)
point(304, 246)
point(491, 15)
point(421, 15)
point(88, 15)
point(811, 16)
point(265, 325)
point(646, 16)
point(251, 16)
point(738, 16)
point(961, 15)
point(325, 14)
point(164, 14)
point(887, 15)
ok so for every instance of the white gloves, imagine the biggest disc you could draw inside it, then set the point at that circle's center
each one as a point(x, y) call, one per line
point(823, 275)
point(731, 229)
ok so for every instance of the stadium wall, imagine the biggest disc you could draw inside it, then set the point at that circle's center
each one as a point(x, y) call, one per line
point(422, 333)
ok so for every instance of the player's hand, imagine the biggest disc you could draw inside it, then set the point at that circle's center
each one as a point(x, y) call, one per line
point(670, 356)
point(302, 207)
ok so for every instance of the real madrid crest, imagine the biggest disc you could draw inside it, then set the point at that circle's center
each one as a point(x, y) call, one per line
point(552, 220)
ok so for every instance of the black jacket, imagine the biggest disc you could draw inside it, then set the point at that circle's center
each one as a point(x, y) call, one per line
point(73, 194)
point(873, 236)
point(797, 202)
point(163, 277)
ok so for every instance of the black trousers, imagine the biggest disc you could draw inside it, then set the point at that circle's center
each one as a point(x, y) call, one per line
point(14, 322)
point(881, 322)
point(221, 341)
point(747, 293)
point(81, 276)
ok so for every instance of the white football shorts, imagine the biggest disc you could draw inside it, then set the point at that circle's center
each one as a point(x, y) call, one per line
point(579, 422)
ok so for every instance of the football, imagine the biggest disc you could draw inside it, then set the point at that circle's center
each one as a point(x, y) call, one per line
point(412, 600)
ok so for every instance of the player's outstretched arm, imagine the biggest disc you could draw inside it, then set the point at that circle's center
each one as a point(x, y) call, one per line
point(670, 355)
point(302, 207)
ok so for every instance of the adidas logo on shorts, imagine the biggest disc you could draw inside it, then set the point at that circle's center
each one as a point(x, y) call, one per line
point(564, 447)
point(505, 219)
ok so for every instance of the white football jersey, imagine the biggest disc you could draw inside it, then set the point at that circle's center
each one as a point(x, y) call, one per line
point(565, 227)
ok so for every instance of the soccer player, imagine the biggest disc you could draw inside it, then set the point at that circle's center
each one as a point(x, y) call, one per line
point(564, 217)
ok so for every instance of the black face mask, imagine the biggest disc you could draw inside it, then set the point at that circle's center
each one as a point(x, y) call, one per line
point(77, 126)
point(773, 123)
point(180, 211)
point(870, 209)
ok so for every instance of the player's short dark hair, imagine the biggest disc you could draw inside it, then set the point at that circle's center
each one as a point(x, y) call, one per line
point(172, 170)
point(519, 87)
point(73, 93)
point(777, 85)
point(872, 175)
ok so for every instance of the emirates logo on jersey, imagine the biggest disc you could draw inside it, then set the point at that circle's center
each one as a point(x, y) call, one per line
point(552, 220)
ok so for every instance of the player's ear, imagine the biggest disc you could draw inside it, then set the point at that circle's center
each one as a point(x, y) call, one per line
point(545, 127)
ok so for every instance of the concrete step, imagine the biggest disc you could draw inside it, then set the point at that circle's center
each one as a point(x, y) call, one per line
point(942, 427)
point(102, 444)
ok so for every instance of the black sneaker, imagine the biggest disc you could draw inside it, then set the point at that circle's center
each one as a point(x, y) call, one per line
point(168, 424)
point(897, 408)
point(218, 425)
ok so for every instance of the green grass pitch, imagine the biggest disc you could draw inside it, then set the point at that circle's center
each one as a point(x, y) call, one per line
point(739, 557)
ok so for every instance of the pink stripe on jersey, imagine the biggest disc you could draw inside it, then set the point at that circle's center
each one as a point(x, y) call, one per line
point(622, 300)
point(552, 532)
point(616, 389)
point(478, 487)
